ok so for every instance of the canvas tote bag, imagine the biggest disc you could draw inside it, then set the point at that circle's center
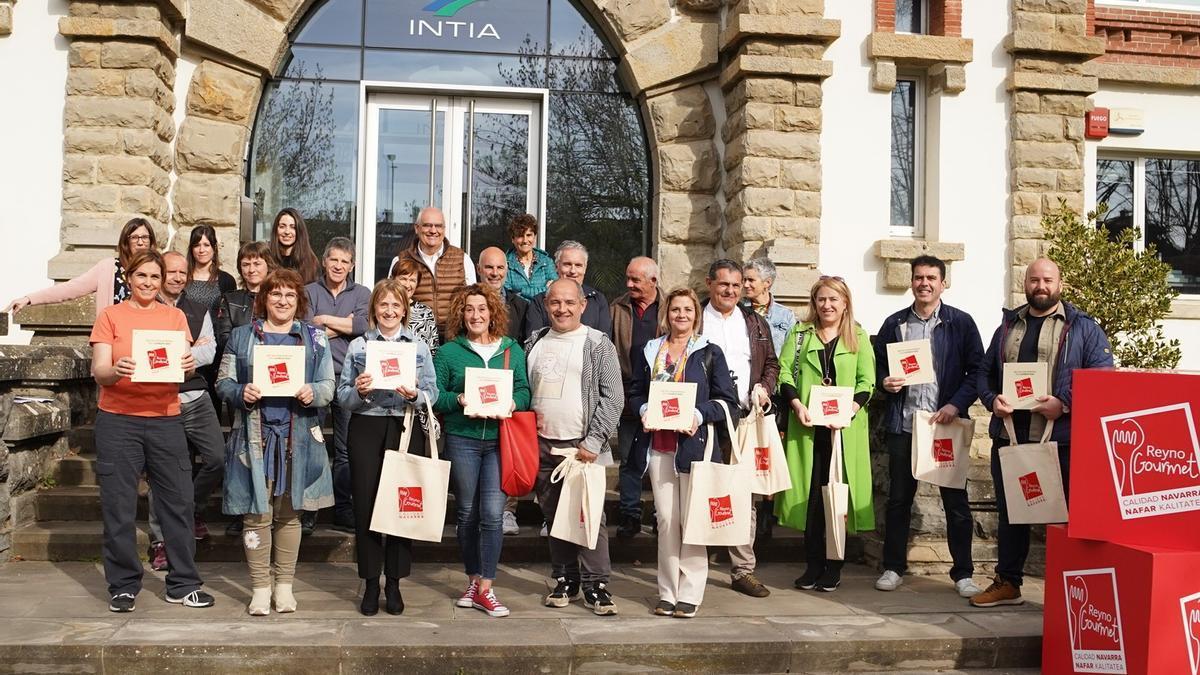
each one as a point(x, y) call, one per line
point(717, 511)
point(1033, 486)
point(941, 453)
point(581, 502)
point(836, 497)
point(760, 446)
point(411, 501)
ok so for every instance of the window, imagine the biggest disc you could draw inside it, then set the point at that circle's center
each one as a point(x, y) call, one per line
point(906, 176)
point(910, 16)
point(1161, 197)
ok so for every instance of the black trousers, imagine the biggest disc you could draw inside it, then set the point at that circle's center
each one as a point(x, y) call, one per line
point(814, 529)
point(1012, 541)
point(898, 519)
point(367, 439)
point(126, 446)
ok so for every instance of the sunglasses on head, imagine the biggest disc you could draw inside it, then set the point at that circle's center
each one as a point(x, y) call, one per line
point(826, 276)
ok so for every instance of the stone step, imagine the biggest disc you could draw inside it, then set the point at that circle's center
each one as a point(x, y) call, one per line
point(81, 540)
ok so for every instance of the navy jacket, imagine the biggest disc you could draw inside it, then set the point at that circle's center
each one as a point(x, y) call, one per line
point(706, 366)
point(595, 315)
point(958, 350)
point(1083, 345)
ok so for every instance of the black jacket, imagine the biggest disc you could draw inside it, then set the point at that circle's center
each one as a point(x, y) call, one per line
point(595, 315)
point(235, 309)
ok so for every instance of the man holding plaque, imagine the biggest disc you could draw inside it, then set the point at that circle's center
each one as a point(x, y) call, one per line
point(575, 380)
point(945, 341)
point(745, 338)
point(338, 305)
point(1056, 333)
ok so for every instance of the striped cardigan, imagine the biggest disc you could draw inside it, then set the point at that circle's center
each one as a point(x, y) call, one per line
point(603, 396)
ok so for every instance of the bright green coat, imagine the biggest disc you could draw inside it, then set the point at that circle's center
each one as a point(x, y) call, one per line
point(801, 368)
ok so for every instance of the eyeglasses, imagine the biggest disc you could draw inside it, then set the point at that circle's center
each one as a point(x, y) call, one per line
point(280, 295)
point(139, 237)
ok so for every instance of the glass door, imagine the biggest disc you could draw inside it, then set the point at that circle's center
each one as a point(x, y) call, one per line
point(478, 159)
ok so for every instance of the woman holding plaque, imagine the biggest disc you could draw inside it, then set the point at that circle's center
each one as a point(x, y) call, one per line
point(376, 425)
point(421, 320)
point(681, 355)
point(276, 464)
point(139, 428)
point(828, 348)
point(476, 343)
point(289, 242)
point(107, 279)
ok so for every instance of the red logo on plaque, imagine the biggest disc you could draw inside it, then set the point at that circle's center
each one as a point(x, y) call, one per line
point(1024, 387)
point(909, 364)
point(158, 358)
point(390, 367)
point(720, 511)
point(670, 407)
point(830, 407)
point(1031, 487)
point(762, 459)
point(943, 450)
point(412, 502)
point(487, 394)
point(278, 373)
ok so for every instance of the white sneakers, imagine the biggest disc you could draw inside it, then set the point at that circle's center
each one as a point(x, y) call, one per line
point(508, 523)
point(888, 581)
point(260, 602)
point(966, 588)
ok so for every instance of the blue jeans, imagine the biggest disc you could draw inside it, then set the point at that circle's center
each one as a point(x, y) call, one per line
point(475, 472)
point(1013, 540)
point(343, 500)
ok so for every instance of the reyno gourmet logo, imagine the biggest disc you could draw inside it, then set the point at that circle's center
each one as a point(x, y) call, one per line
point(720, 511)
point(670, 407)
point(278, 373)
point(943, 451)
point(1190, 606)
point(762, 459)
point(412, 502)
point(443, 27)
point(909, 364)
point(1155, 460)
point(487, 394)
point(390, 367)
point(1031, 487)
point(1094, 621)
point(1024, 387)
point(158, 358)
point(829, 407)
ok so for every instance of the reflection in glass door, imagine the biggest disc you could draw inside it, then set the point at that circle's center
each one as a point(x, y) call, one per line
point(478, 159)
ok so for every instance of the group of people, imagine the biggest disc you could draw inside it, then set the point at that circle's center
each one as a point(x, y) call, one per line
point(582, 365)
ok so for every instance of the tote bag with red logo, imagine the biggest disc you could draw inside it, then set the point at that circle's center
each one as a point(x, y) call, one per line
point(411, 499)
point(941, 453)
point(717, 505)
point(760, 446)
point(1033, 488)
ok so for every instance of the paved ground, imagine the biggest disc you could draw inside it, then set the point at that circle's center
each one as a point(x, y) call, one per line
point(55, 615)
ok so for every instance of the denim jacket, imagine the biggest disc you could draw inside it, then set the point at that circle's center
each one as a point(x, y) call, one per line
point(381, 402)
point(245, 476)
point(780, 320)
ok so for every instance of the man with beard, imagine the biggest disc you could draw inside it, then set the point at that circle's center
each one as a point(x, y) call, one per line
point(1056, 333)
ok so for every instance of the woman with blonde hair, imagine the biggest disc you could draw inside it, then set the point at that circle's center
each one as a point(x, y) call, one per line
point(475, 338)
point(828, 348)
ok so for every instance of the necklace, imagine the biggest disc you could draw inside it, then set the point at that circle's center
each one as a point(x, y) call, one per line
point(826, 359)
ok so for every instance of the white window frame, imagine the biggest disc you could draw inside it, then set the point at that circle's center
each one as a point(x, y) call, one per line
point(917, 229)
point(1165, 5)
point(924, 19)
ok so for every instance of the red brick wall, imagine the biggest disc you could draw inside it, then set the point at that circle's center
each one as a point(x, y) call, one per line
point(1148, 36)
point(945, 17)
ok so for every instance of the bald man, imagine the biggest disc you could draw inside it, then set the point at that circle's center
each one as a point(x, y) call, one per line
point(493, 270)
point(634, 323)
point(1054, 332)
point(450, 268)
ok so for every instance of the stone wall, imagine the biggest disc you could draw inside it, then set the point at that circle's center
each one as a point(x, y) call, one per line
point(6, 17)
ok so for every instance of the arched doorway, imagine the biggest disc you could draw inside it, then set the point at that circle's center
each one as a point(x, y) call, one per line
point(486, 109)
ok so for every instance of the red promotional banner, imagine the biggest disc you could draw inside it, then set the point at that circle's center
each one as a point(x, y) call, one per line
point(1112, 608)
point(1135, 458)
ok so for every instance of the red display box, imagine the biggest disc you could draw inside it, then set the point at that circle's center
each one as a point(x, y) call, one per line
point(1113, 608)
point(1135, 458)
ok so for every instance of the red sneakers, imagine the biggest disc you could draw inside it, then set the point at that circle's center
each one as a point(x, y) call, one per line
point(467, 600)
point(488, 603)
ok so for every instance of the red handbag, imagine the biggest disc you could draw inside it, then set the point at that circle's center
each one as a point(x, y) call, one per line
point(519, 457)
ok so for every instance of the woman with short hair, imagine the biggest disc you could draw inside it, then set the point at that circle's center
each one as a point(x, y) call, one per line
point(421, 320)
point(376, 426)
point(475, 338)
point(530, 269)
point(276, 465)
point(827, 348)
point(139, 428)
point(107, 279)
point(682, 354)
point(291, 246)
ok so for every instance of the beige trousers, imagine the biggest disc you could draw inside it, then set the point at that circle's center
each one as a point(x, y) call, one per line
point(276, 531)
point(682, 568)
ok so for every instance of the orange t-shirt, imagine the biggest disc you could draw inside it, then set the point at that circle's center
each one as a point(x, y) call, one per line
point(115, 327)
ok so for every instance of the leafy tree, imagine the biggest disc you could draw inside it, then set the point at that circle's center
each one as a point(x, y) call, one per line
point(1127, 291)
